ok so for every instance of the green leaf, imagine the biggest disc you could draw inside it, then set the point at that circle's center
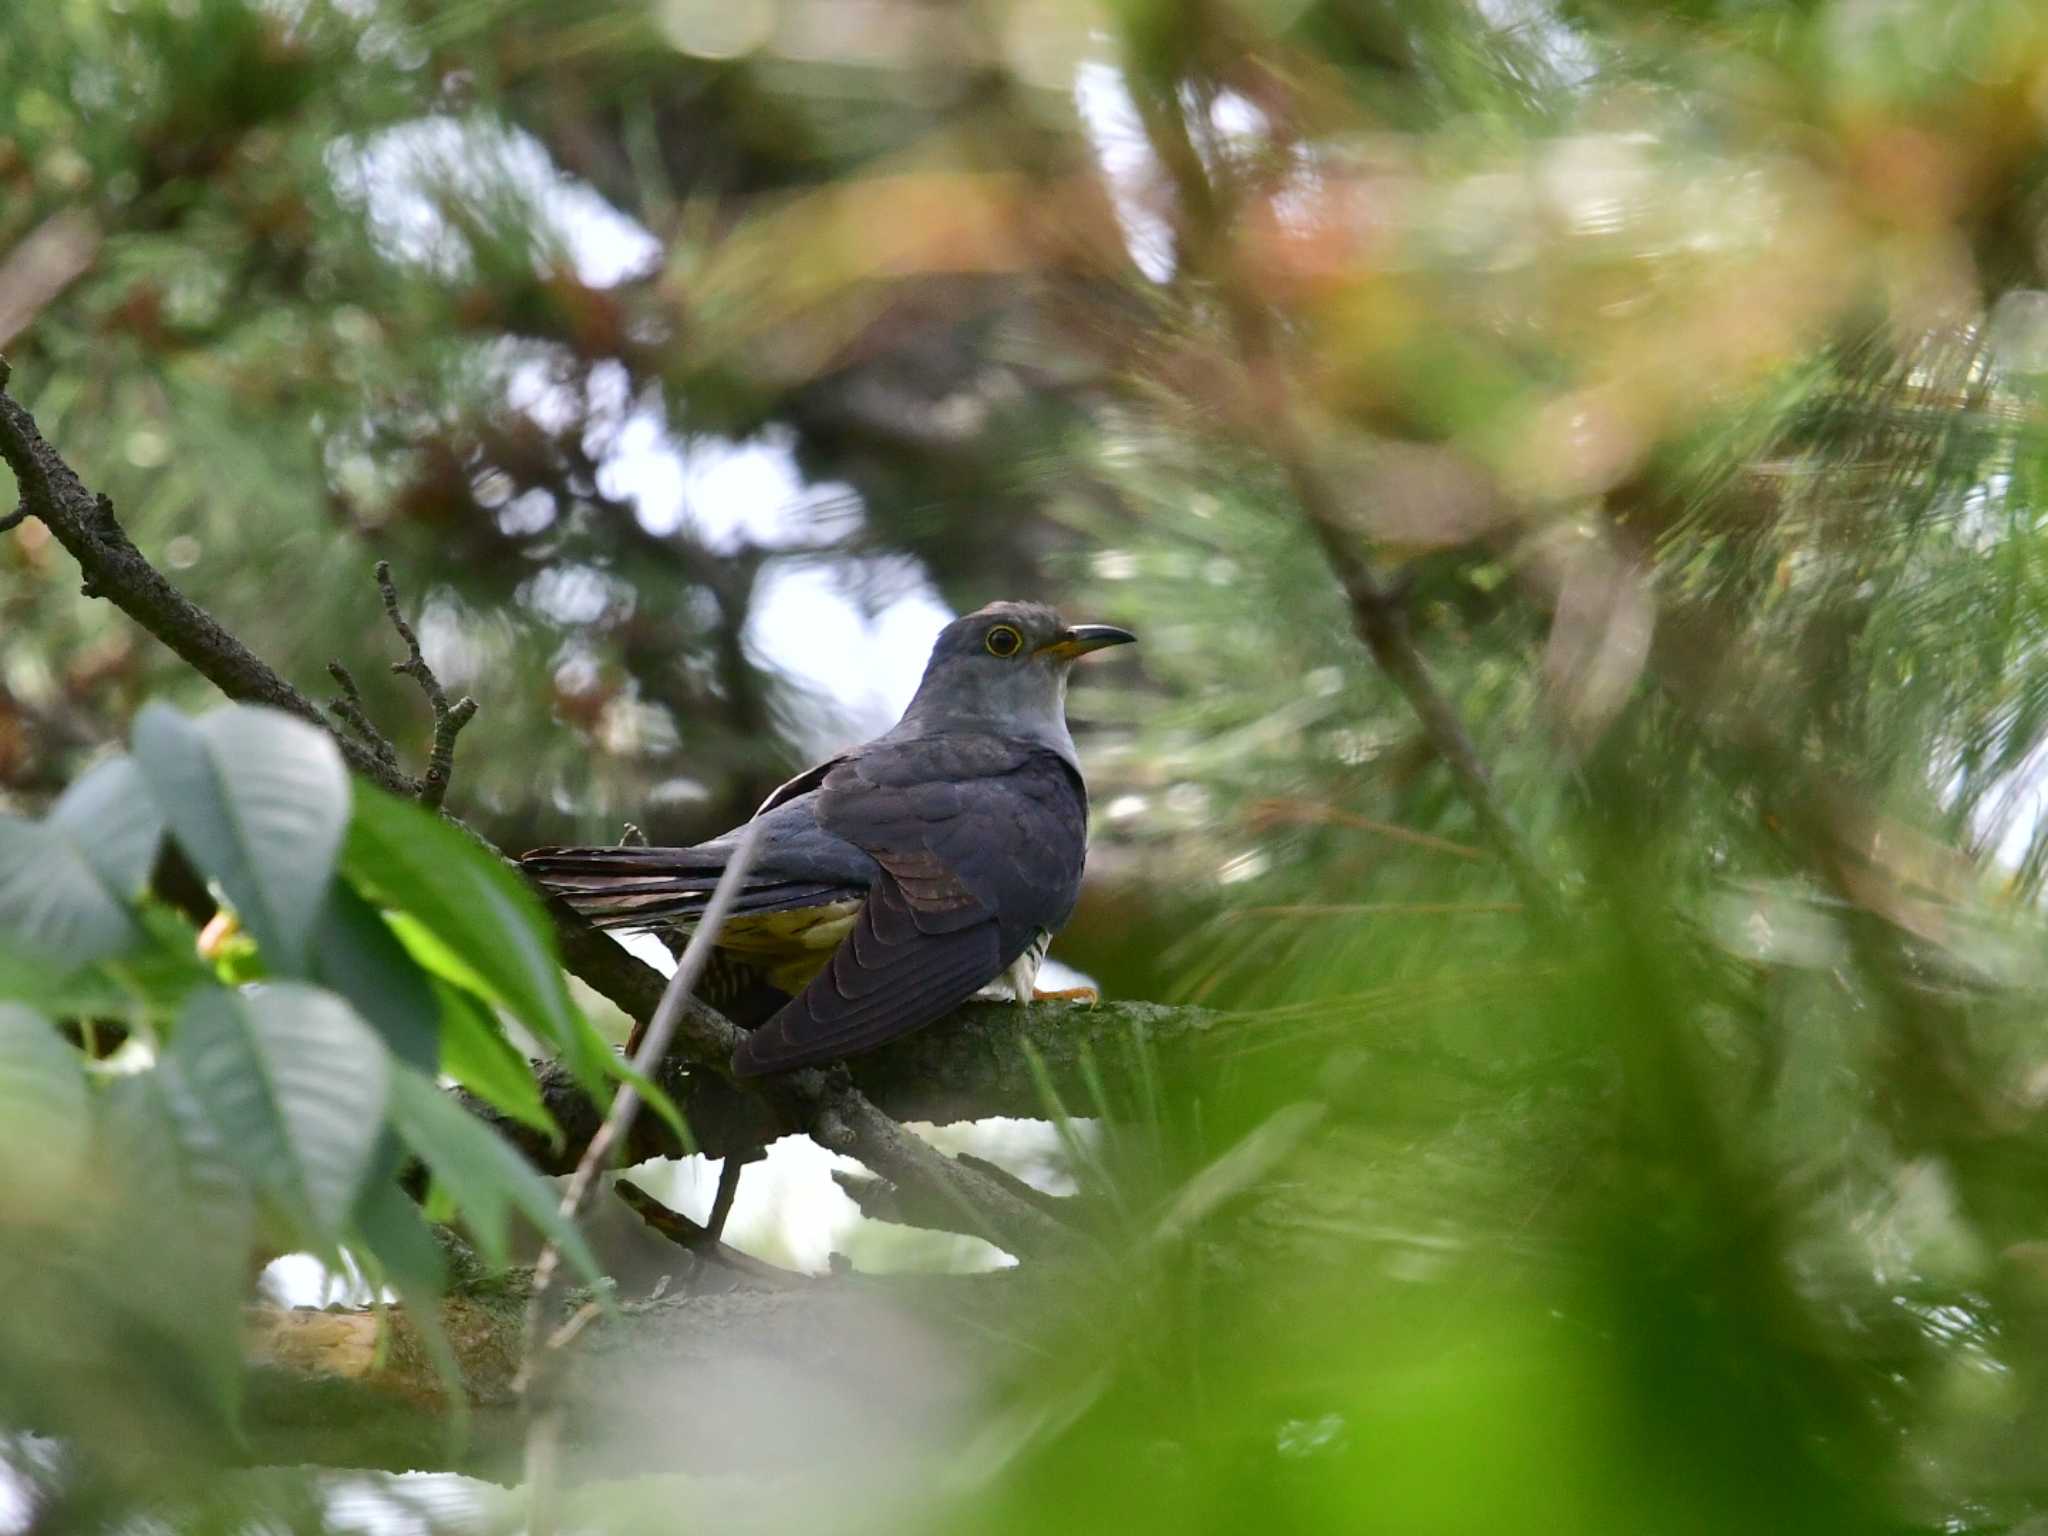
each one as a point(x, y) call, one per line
point(152, 980)
point(475, 1052)
point(655, 1098)
point(114, 820)
point(356, 954)
point(54, 907)
point(496, 927)
point(434, 957)
point(400, 1249)
point(44, 1101)
point(172, 1155)
point(259, 801)
point(182, 1204)
point(295, 1084)
point(68, 882)
point(400, 1241)
point(484, 1177)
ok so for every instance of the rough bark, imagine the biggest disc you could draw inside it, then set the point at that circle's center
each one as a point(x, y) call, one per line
point(971, 1066)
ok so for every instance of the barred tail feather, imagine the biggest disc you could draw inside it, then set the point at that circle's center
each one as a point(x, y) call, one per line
point(655, 887)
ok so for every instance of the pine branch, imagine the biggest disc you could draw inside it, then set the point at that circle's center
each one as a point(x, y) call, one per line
point(116, 570)
point(1379, 614)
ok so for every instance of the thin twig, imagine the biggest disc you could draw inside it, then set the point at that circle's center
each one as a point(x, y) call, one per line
point(579, 1320)
point(351, 711)
point(538, 1369)
point(729, 1170)
point(701, 1243)
point(1280, 811)
point(449, 719)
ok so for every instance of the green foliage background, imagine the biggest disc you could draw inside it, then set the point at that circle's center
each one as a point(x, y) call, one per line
point(1678, 366)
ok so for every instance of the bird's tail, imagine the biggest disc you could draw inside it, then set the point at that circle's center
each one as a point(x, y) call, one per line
point(654, 887)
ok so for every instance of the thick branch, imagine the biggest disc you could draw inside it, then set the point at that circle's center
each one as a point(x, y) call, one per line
point(969, 1066)
point(898, 1358)
point(880, 1200)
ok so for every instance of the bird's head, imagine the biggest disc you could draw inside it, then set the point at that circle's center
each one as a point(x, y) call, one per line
point(1005, 667)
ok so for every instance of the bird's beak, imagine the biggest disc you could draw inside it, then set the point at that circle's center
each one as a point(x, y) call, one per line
point(1080, 639)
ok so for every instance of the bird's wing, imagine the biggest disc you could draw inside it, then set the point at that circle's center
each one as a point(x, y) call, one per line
point(802, 784)
point(979, 842)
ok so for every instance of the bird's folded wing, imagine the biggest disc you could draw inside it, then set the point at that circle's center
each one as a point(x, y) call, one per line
point(979, 846)
point(888, 976)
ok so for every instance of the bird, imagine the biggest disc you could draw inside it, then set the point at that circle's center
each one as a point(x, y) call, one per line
point(898, 879)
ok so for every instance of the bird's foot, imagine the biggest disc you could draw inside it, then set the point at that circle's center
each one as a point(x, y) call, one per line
point(1087, 996)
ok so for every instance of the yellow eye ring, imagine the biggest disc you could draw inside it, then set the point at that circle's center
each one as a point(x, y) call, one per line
point(1003, 641)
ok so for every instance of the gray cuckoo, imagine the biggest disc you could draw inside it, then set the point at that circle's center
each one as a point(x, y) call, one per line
point(899, 879)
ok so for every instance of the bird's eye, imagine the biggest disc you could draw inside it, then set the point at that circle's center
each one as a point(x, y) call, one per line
point(1003, 641)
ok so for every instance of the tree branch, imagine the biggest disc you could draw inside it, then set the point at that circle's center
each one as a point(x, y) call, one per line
point(655, 1383)
point(698, 1245)
point(970, 1065)
point(449, 719)
point(880, 1200)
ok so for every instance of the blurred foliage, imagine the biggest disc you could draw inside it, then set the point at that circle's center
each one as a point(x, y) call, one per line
point(170, 1125)
point(1680, 366)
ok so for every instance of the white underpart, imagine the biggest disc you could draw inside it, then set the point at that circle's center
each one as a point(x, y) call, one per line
point(1021, 979)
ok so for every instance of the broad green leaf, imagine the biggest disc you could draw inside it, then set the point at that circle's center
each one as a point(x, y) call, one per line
point(153, 979)
point(185, 1216)
point(481, 1174)
point(400, 1250)
point(356, 954)
point(475, 1052)
point(296, 1086)
point(434, 957)
point(173, 1154)
point(258, 801)
point(472, 903)
point(44, 1101)
point(114, 819)
point(55, 908)
point(67, 882)
point(389, 1224)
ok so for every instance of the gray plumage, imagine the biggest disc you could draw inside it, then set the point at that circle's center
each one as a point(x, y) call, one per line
point(960, 833)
